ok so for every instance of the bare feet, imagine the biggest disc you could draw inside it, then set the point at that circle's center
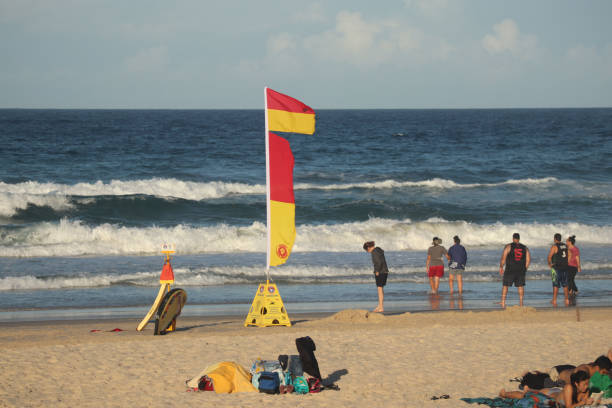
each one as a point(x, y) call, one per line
point(502, 393)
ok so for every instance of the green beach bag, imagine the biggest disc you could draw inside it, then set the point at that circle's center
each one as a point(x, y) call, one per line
point(300, 385)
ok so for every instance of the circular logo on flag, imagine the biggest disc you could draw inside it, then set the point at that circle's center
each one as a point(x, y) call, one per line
point(282, 251)
point(261, 288)
point(271, 289)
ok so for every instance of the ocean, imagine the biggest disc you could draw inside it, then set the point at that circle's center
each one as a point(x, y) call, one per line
point(87, 198)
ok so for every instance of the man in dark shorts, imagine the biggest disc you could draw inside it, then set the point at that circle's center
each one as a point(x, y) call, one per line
point(380, 271)
point(557, 262)
point(516, 258)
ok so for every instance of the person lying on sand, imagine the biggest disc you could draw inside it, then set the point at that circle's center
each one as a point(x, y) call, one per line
point(602, 365)
point(573, 394)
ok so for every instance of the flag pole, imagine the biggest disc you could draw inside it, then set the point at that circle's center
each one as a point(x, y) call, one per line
point(267, 138)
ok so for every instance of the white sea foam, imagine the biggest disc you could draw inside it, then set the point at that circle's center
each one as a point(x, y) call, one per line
point(74, 238)
point(306, 274)
point(15, 197)
point(10, 203)
point(436, 183)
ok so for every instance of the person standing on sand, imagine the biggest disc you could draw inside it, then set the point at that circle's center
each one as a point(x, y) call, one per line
point(434, 265)
point(516, 257)
point(557, 262)
point(380, 271)
point(456, 264)
point(573, 266)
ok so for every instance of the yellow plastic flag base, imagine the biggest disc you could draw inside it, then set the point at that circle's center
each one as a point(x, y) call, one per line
point(267, 308)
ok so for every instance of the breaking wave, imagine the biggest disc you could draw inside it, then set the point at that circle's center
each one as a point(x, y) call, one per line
point(75, 238)
point(15, 197)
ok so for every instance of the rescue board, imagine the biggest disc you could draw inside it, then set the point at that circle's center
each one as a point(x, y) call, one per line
point(169, 309)
point(163, 289)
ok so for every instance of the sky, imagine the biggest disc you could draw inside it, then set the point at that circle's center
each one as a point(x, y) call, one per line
point(201, 54)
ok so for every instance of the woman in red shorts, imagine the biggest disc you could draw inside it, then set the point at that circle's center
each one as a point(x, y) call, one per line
point(434, 265)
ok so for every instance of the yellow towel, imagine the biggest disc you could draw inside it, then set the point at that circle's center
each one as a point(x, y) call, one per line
point(227, 377)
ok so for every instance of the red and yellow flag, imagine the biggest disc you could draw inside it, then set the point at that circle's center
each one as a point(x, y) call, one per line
point(286, 114)
point(282, 201)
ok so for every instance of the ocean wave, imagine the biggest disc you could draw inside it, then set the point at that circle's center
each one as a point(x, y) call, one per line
point(15, 197)
point(435, 183)
point(300, 274)
point(75, 238)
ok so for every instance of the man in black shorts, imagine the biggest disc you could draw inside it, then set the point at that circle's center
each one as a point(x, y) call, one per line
point(516, 258)
point(380, 271)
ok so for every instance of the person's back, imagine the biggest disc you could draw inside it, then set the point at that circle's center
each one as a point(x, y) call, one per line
point(560, 258)
point(458, 254)
point(516, 258)
point(436, 252)
point(379, 261)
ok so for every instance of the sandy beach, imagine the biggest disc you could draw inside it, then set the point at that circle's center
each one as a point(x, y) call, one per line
point(377, 360)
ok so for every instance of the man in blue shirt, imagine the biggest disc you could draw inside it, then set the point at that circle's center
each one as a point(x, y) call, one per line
point(456, 265)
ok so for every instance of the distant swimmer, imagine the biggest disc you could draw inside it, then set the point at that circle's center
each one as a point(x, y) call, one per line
point(516, 258)
point(557, 261)
point(380, 271)
point(434, 264)
point(456, 264)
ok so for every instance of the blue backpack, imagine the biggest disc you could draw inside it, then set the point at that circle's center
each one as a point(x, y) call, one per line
point(269, 382)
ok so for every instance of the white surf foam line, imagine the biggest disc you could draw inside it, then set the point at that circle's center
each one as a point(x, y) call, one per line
point(14, 197)
point(302, 274)
point(74, 238)
point(11, 203)
point(436, 183)
point(57, 196)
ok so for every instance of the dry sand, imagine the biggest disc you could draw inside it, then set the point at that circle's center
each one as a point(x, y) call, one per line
point(377, 361)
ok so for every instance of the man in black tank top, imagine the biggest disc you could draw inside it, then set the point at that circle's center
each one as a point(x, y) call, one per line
point(557, 261)
point(516, 258)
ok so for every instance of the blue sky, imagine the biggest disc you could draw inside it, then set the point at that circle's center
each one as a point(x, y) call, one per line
point(330, 54)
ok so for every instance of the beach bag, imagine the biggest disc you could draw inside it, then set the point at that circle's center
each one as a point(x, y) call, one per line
point(259, 366)
point(295, 366)
point(300, 385)
point(269, 382)
point(306, 348)
point(265, 365)
point(288, 378)
point(283, 360)
point(535, 381)
point(205, 384)
point(314, 385)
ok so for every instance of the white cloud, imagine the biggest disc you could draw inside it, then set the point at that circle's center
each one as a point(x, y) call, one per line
point(507, 38)
point(364, 43)
point(152, 59)
point(280, 43)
